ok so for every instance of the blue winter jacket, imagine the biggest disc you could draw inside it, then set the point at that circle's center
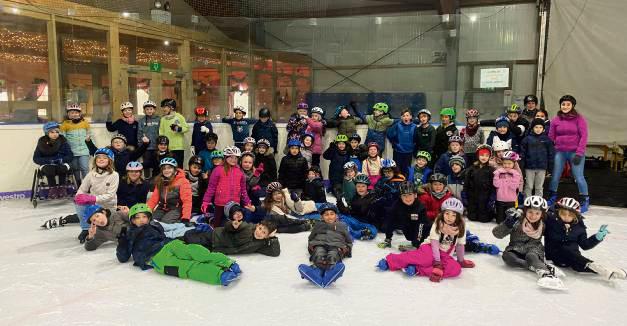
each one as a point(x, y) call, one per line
point(205, 154)
point(403, 137)
point(130, 194)
point(240, 128)
point(128, 130)
point(557, 237)
point(198, 137)
point(142, 243)
point(48, 152)
point(419, 177)
point(537, 152)
point(442, 166)
point(266, 130)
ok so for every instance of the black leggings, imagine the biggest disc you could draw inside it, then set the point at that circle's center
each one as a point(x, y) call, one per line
point(501, 207)
point(53, 170)
point(563, 257)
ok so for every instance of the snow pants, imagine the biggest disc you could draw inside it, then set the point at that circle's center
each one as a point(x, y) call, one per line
point(422, 258)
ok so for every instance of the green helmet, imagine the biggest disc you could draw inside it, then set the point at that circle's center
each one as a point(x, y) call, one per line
point(341, 138)
point(381, 107)
point(217, 154)
point(139, 208)
point(449, 111)
point(425, 155)
point(514, 108)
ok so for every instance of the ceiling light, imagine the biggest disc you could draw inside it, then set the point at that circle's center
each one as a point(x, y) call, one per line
point(157, 4)
point(473, 18)
point(125, 14)
point(166, 42)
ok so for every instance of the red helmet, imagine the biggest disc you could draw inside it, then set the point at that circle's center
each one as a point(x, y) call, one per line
point(201, 111)
point(472, 113)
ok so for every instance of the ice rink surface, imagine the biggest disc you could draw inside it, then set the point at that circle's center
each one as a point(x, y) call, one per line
point(47, 278)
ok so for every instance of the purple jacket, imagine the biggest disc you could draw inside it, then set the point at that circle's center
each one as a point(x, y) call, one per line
point(507, 184)
point(569, 133)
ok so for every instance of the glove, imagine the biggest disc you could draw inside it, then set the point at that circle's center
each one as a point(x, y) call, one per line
point(122, 233)
point(204, 207)
point(294, 196)
point(577, 159)
point(67, 166)
point(512, 216)
point(176, 128)
point(603, 231)
point(259, 170)
point(204, 129)
point(109, 116)
point(85, 199)
point(192, 150)
point(467, 263)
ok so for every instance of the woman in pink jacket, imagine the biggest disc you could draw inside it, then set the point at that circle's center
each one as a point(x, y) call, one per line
point(227, 183)
point(315, 126)
point(569, 132)
point(507, 183)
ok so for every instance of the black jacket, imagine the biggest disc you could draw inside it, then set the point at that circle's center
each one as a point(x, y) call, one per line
point(478, 182)
point(556, 236)
point(293, 171)
point(198, 137)
point(360, 207)
point(128, 130)
point(131, 194)
point(122, 158)
point(229, 240)
point(142, 243)
point(441, 138)
point(269, 169)
point(314, 190)
point(412, 219)
point(336, 166)
point(267, 130)
point(537, 152)
point(52, 152)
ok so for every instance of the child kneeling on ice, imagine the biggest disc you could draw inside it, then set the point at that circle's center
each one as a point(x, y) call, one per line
point(433, 258)
point(525, 249)
point(329, 242)
point(147, 243)
point(566, 232)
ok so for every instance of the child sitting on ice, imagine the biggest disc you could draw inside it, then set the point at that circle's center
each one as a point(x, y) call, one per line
point(457, 177)
point(211, 140)
point(329, 242)
point(314, 187)
point(361, 207)
point(264, 157)
point(455, 144)
point(420, 172)
point(371, 166)
point(434, 257)
point(146, 242)
point(280, 207)
point(132, 188)
point(198, 181)
point(348, 183)
point(525, 250)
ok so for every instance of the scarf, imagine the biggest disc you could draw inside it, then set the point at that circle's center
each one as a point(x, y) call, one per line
point(449, 230)
point(471, 131)
point(49, 147)
point(130, 120)
point(527, 227)
point(438, 194)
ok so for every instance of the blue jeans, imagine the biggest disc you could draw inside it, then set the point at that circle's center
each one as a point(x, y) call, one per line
point(80, 211)
point(577, 171)
point(80, 166)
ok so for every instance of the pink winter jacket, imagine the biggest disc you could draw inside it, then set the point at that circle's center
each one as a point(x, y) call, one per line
point(316, 128)
point(507, 183)
point(224, 187)
point(569, 133)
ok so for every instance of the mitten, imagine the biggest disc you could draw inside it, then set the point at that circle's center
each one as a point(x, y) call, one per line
point(204, 129)
point(512, 215)
point(603, 231)
point(84, 199)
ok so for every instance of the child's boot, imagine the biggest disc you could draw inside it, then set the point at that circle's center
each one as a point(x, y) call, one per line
point(333, 273)
point(585, 203)
point(383, 265)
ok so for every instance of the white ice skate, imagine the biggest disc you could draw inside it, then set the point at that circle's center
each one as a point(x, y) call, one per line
point(555, 271)
point(608, 274)
point(54, 223)
point(548, 279)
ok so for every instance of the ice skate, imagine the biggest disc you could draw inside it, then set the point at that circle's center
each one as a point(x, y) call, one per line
point(227, 277)
point(383, 265)
point(548, 280)
point(54, 223)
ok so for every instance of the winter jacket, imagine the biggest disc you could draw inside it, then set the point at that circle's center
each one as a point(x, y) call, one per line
point(345, 126)
point(348, 189)
point(472, 138)
point(358, 154)
point(122, 158)
point(508, 138)
point(557, 236)
point(317, 129)
point(479, 181)
point(497, 163)
point(130, 194)
point(537, 152)
point(266, 130)
point(198, 137)
point(519, 128)
point(442, 135)
point(529, 115)
point(456, 185)
point(141, 243)
point(240, 128)
point(206, 156)
point(569, 133)
point(414, 212)
point(419, 176)
point(403, 137)
point(149, 127)
point(360, 207)
point(507, 184)
point(519, 241)
point(293, 171)
point(442, 166)
point(336, 166)
point(102, 185)
point(334, 235)
point(377, 129)
point(198, 185)
point(432, 204)
point(110, 232)
point(229, 240)
point(387, 190)
point(179, 197)
point(48, 151)
point(314, 190)
point(269, 169)
point(227, 186)
point(177, 139)
point(426, 139)
point(76, 135)
point(129, 130)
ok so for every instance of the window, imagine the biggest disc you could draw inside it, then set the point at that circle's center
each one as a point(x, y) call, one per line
point(206, 75)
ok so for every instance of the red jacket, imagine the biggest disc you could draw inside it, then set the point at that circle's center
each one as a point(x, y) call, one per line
point(432, 204)
point(178, 198)
point(224, 187)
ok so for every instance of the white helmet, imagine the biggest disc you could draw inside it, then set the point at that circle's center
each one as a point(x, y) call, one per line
point(250, 140)
point(126, 105)
point(149, 103)
point(239, 108)
point(318, 110)
point(232, 151)
point(500, 145)
point(453, 204)
point(569, 203)
point(350, 166)
point(74, 107)
point(536, 202)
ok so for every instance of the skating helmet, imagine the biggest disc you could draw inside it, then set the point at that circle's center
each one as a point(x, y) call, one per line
point(472, 113)
point(134, 166)
point(274, 186)
point(424, 154)
point(569, 203)
point(373, 144)
point(126, 105)
point(91, 210)
point(149, 103)
point(139, 208)
point(263, 142)
point(356, 137)
point(293, 143)
point(482, 148)
point(388, 163)
point(456, 139)
point(449, 112)
point(341, 138)
point(232, 151)
point(239, 108)
point(438, 177)
point(530, 98)
point(216, 154)
point(406, 187)
point(163, 140)
point(362, 178)
point(169, 102)
point(168, 161)
point(383, 107)
point(105, 151)
point(196, 160)
point(119, 136)
point(250, 140)
point(339, 109)
point(425, 111)
point(327, 207)
point(511, 155)
point(453, 204)
point(536, 202)
point(302, 106)
point(457, 159)
point(201, 111)
point(319, 110)
point(51, 125)
point(350, 166)
point(514, 108)
point(73, 107)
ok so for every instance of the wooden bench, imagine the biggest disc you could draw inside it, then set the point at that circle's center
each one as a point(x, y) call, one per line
point(617, 158)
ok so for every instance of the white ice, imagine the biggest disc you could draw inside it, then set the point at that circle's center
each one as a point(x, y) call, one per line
point(46, 277)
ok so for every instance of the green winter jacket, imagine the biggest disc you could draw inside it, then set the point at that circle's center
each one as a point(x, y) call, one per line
point(380, 123)
point(229, 240)
point(346, 126)
point(177, 139)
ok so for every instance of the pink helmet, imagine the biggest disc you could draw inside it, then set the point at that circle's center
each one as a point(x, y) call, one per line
point(511, 155)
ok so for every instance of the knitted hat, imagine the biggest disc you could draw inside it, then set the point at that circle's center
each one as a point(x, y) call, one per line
point(536, 122)
point(482, 151)
point(231, 208)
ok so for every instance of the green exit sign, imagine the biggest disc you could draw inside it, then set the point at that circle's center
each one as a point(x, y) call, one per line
point(155, 66)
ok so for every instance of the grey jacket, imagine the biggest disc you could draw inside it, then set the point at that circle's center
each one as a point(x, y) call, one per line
point(519, 242)
point(332, 235)
point(109, 232)
point(149, 127)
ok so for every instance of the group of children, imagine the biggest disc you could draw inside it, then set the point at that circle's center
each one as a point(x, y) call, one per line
point(183, 222)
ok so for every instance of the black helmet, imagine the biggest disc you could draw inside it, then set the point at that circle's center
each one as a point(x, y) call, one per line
point(356, 137)
point(211, 136)
point(569, 98)
point(196, 160)
point(530, 98)
point(264, 112)
point(169, 102)
point(406, 187)
point(315, 169)
point(438, 177)
point(163, 140)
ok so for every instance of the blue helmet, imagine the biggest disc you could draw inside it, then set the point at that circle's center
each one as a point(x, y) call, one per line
point(293, 142)
point(105, 151)
point(327, 207)
point(50, 126)
point(388, 163)
point(134, 166)
point(168, 161)
point(339, 109)
point(501, 121)
point(90, 211)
